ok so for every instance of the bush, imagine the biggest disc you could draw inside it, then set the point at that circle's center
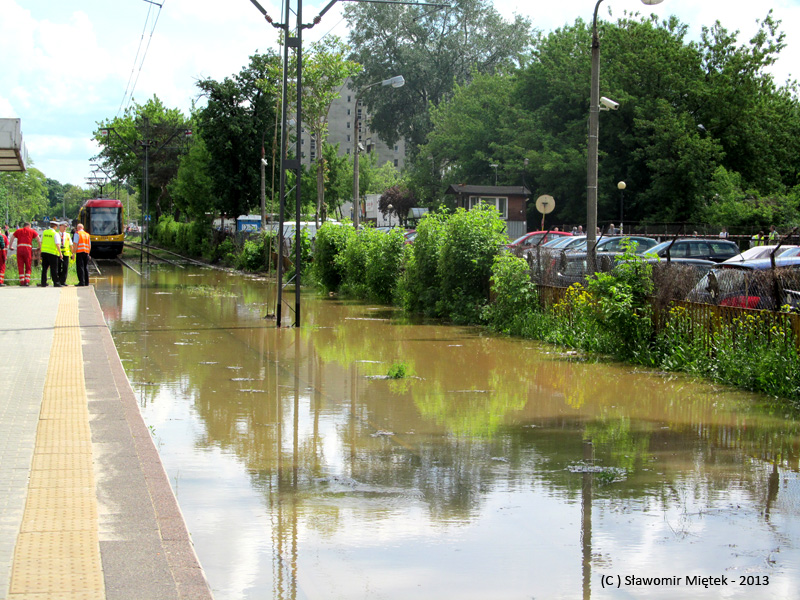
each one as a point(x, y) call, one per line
point(471, 241)
point(353, 262)
point(384, 264)
point(421, 284)
point(332, 239)
point(513, 294)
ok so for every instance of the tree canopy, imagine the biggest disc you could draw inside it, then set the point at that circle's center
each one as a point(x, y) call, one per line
point(433, 50)
point(686, 109)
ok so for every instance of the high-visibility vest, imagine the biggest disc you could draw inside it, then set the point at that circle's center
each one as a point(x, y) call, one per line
point(66, 245)
point(84, 242)
point(49, 242)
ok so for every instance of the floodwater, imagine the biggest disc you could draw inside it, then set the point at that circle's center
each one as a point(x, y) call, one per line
point(501, 469)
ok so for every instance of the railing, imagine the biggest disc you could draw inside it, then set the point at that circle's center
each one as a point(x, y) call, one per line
point(701, 321)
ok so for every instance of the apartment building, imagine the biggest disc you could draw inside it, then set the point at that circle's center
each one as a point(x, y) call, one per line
point(341, 120)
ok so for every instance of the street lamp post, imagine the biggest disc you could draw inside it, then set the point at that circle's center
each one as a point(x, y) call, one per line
point(621, 187)
point(594, 132)
point(494, 166)
point(395, 82)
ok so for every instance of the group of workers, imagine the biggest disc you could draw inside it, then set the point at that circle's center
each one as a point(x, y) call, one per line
point(58, 248)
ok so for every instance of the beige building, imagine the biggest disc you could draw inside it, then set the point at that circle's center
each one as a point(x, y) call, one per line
point(341, 119)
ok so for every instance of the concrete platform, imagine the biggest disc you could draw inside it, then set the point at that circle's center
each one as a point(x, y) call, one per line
point(86, 509)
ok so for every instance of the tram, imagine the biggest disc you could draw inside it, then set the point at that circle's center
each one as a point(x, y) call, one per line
point(102, 219)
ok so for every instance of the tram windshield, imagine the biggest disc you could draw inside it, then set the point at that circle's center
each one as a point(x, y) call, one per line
point(105, 221)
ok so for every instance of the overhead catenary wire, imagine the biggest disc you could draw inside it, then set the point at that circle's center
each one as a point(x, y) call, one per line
point(127, 97)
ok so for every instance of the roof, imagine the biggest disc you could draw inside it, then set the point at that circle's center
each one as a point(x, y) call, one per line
point(488, 190)
point(103, 202)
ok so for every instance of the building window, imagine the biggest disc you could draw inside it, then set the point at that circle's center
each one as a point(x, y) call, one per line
point(348, 151)
point(500, 203)
point(348, 112)
point(348, 99)
point(348, 138)
point(348, 125)
point(396, 163)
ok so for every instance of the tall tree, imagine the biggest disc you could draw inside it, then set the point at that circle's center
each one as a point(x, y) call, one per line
point(24, 196)
point(150, 131)
point(234, 125)
point(433, 50)
point(325, 70)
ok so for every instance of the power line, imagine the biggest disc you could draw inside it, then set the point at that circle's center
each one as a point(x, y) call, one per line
point(130, 87)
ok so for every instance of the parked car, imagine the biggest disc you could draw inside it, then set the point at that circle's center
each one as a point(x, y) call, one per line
point(713, 249)
point(410, 235)
point(549, 252)
point(533, 239)
point(680, 274)
point(764, 252)
point(751, 284)
point(614, 244)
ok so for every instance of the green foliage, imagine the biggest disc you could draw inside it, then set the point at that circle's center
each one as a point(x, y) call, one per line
point(708, 104)
point(235, 125)
point(353, 262)
point(436, 49)
point(399, 370)
point(24, 195)
point(384, 264)
point(332, 239)
point(121, 149)
point(513, 294)
point(421, 284)
point(471, 240)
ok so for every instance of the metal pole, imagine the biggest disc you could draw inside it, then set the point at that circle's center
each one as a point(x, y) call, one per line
point(594, 132)
point(356, 195)
point(298, 153)
point(284, 137)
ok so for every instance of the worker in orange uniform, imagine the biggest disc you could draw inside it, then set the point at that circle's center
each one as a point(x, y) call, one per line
point(82, 245)
point(24, 236)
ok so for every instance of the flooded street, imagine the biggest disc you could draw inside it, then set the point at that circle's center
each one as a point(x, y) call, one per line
point(500, 469)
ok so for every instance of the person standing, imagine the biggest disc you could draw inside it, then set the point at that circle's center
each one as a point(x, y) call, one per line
point(773, 235)
point(66, 253)
point(24, 236)
point(724, 233)
point(51, 254)
point(82, 243)
point(612, 230)
point(3, 256)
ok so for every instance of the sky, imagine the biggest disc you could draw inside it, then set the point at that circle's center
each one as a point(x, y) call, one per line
point(67, 64)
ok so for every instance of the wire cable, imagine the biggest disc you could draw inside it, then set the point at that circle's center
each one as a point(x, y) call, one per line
point(138, 72)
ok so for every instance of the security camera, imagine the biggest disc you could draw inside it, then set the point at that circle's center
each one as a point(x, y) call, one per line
point(609, 103)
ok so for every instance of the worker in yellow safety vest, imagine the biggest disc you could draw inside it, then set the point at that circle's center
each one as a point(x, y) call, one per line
point(66, 253)
point(51, 254)
point(82, 243)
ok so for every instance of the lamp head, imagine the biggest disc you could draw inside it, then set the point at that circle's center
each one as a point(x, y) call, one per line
point(395, 82)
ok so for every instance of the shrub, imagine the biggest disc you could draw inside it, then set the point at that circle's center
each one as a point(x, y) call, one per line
point(421, 284)
point(332, 239)
point(384, 265)
point(513, 294)
point(471, 241)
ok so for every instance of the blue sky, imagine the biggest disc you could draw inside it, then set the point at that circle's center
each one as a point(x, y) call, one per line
point(68, 64)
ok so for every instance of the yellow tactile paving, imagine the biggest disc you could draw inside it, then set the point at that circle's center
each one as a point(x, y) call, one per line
point(57, 554)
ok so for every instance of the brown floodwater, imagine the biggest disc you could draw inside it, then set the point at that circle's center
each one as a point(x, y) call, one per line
point(496, 469)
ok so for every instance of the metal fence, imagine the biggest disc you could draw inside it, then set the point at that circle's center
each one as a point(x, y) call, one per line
point(703, 322)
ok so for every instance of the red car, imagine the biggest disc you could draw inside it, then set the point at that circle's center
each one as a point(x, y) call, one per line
point(533, 239)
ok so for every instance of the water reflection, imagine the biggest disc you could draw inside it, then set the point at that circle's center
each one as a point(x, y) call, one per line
point(502, 469)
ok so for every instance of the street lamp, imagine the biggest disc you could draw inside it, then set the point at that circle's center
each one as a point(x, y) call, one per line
point(594, 132)
point(621, 187)
point(395, 82)
point(494, 166)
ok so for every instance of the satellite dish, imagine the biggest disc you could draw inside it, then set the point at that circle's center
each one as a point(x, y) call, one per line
point(545, 204)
